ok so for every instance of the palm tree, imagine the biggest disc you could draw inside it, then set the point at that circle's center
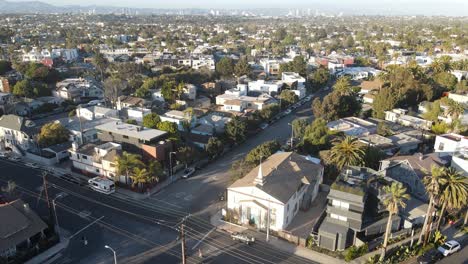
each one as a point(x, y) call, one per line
point(155, 170)
point(433, 183)
point(455, 109)
point(347, 152)
point(127, 162)
point(394, 199)
point(342, 86)
point(139, 177)
point(454, 192)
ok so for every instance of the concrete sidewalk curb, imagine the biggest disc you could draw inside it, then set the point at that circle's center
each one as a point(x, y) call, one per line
point(51, 254)
point(220, 224)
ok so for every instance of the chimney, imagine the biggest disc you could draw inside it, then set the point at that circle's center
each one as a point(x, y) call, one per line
point(260, 180)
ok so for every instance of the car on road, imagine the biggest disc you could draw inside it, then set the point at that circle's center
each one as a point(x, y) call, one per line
point(32, 165)
point(263, 125)
point(15, 159)
point(308, 98)
point(287, 112)
point(431, 256)
point(242, 238)
point(3, 155)
point(188, 172)
point(449, 247)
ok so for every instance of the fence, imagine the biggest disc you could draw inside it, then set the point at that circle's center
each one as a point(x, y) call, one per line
point(292, 238)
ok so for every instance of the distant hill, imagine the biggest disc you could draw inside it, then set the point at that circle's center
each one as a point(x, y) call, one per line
point(28, 7)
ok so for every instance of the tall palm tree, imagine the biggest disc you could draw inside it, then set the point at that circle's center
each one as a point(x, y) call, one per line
point(347, 152)
point(155, 170)
point(127, 162)
point(139, 177)
point(433, 183)
point(342, 86)
point(454, 192)
point(395, 196)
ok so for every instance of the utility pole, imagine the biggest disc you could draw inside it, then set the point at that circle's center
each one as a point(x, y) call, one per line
point(44, 186)
point(182, 236)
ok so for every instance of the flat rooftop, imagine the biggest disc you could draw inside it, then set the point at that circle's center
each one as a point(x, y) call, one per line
point(133, 131)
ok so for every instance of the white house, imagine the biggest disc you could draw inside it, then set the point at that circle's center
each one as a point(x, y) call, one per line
point(179, 118)
point(456, 146)
point(95, 112)
point(277, 187)
point(240, 103)
point(400, 116)
point(78, 89)
point(269, 87)
point(95, 159)
point(17, 133)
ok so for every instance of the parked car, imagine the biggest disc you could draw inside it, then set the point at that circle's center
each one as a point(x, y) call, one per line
point(263, 125)
point(449, 247)
point(308, 98)
point(287, 112)
point(430, 256)
point(188, 172)
point(15, 159)
point(242, 238)
point(32, 165)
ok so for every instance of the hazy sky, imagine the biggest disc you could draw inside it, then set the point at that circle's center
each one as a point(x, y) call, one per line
point(439, 7)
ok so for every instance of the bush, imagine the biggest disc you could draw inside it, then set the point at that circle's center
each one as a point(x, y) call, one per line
point(132, 122)
point(355, 252)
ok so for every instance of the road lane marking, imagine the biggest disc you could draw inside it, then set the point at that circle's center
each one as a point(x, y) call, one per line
point(203, 238)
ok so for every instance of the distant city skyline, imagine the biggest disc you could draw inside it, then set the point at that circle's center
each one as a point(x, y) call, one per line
point(349, 7)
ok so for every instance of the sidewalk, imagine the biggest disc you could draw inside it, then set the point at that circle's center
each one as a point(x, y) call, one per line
point(51, 254)
point(275, 242)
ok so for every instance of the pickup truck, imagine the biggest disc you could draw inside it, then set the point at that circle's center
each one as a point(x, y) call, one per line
point(242, 238)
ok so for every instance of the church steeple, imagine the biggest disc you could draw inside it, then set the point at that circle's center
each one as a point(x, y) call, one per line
point(260, 180)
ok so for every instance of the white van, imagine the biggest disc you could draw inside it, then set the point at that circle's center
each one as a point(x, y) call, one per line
point(102, 185)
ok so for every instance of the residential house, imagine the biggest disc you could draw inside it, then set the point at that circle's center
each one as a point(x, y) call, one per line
point(275, 189)
point(21, 228)
point(190, 92)
point(353, 126)
point(129, 102)
point(78, 90)
point(180, 118)
point(96, 112)
point(400, 116)
point(454, 146)
point(406, 143)
point(410, 170)
point(4, 101)
point(95, 159)
point(18, 133)
point(241, 103)
point(216, 120)
point(354, 210)
point(461, 98)
point(269, 87)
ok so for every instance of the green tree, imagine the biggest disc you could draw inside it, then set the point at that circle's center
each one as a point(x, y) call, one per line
point(100, 62)
point(316, 136)
point(335, 106)
point(442, 64)
point(343, 86)
point(299, 127)
point(433, 111)
point(23, 88)
point(170, 128)
point(139, 177)
point(319, 78)
point(454, 192)
point(347, 152)
point(5, 66)
point(262, 151)
point(167, 90)
point(131, 122)
point(394, 199)
point(126, 163)
point(155, 170)
point(142, 92)
point(214, 147)
point(225, 67)
point(383, 129)
point(269, 111)
point(455, 109)
point(242, 68)
point(236, 130)
point(185, 155)
point(53, 134)
point(433, 182)
point(446, 80)
point(288, 98)
point(151, 120)
point(385, 100)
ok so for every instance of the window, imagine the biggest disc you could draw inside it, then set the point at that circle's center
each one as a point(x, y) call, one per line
point(441, 146)
point(287, 209)
point(85, 157)
point(340, 204)
point(126, 137)
point(339, 217)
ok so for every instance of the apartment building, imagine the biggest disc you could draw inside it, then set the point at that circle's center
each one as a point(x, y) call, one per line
point(95, 158)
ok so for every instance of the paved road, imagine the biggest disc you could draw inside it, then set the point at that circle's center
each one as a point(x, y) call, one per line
point(131, 227)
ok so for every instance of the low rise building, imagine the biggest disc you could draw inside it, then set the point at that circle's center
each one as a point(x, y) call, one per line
point(180, 118)
point(18, 133)
point(78, 90)
point(96, 158)
point(275, 189)
point(353, 126)
point(400, 116)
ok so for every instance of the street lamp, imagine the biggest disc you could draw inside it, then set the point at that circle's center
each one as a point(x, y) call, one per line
point(113, 251)
point(292, 135)
point(55, 213)
point(170, 162)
